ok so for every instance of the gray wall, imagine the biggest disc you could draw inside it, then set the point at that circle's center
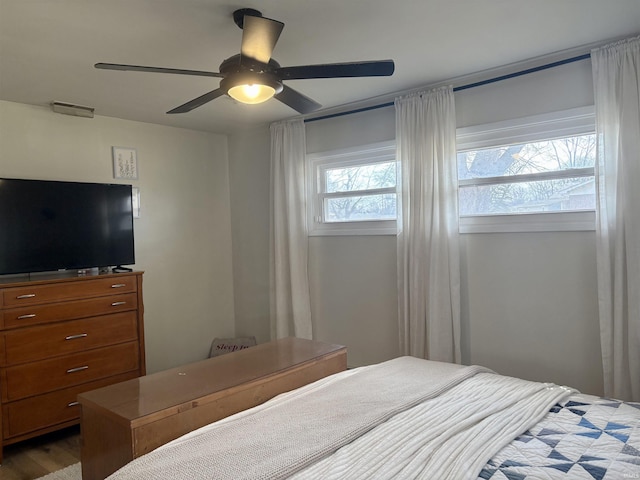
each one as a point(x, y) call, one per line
point(529, 299)
point(249, 172)
point(183, 237)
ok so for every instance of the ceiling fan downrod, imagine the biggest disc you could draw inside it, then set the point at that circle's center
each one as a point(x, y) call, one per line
point(238, 15)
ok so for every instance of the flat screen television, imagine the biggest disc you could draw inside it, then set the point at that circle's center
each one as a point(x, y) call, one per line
point(52, 225)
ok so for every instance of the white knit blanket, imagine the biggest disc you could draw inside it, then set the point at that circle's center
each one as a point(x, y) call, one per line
point(449, 437)
point(340, 427)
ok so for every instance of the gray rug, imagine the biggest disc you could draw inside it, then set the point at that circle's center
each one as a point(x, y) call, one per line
point(72, 472)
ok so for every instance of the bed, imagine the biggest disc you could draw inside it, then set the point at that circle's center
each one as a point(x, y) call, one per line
point(409, 418)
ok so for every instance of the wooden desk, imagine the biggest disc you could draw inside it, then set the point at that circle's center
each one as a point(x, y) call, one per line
point(127, 420)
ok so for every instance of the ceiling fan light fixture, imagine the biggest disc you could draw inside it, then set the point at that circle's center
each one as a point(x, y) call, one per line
point(251, 89)
point(251, 93)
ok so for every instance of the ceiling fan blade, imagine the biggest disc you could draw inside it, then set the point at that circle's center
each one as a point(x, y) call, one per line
point(140, 68)
point(379, 68)
point(198, 102)
point(259, 37)
point(297, 101)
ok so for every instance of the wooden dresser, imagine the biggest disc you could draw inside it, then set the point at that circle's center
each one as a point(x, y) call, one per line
point(62, 335)
point(124, 421)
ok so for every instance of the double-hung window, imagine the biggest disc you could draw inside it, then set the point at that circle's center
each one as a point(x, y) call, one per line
point(353, 191)
point(533, 174)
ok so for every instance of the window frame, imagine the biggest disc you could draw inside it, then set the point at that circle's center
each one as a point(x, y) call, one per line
point(318, 163)
point(548, 126)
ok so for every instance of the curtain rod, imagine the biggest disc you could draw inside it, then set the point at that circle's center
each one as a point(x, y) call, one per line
point(464, 87)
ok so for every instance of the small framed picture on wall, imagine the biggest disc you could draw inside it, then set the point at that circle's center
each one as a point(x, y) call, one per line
point(125, 163)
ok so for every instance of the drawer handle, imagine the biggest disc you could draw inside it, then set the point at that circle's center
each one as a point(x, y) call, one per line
point(28, 295)
point(118, 285)
point(73, 337)
point(29, 315)
point(117, 304)
point(77, 369)
point(73, 404)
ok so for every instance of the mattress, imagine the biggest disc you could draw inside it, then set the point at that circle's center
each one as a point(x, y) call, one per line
point(411, 419)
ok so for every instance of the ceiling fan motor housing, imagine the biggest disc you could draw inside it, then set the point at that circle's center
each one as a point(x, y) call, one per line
point(243, 71)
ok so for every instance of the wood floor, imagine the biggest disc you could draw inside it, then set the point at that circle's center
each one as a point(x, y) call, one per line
point(38, 456)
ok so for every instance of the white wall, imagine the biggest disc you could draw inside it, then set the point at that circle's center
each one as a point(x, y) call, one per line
point(353, 295)
point(183, 237)
point(531, 306)
point(529, 300)
point(249, 168)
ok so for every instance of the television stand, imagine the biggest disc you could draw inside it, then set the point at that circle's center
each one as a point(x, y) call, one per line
point(121, 269)
point(61, 335)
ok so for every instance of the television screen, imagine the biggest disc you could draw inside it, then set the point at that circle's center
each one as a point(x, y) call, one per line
point(51, 225)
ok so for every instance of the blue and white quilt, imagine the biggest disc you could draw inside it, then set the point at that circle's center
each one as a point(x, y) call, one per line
point(583, 437)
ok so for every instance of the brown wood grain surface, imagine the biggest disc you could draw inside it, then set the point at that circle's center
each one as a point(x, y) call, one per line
point(61, 335)
point(123, 421)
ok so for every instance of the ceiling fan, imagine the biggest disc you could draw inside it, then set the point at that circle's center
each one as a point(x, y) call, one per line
point(252, 76)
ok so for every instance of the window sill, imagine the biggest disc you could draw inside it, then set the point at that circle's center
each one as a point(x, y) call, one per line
point(529, 222)
point(354, 228)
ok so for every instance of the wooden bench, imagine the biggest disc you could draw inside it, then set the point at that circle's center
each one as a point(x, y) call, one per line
point(126, 420)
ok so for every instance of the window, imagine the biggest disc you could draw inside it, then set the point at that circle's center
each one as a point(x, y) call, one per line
point(535, 174)
point(353, 191)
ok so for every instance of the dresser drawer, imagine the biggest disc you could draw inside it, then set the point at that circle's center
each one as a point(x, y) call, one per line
point(42, 411)
point(36, 314)
point(37, 343)
point(48, 375)
point(56, 292)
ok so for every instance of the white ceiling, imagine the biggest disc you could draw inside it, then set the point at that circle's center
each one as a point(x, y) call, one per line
point(48, 48)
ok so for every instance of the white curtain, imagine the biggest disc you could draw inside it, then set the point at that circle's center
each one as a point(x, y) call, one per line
point(427, 244)
point(616, 74)
point(290, 304)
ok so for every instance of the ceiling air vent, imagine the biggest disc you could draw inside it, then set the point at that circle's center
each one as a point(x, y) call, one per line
point(71, 109)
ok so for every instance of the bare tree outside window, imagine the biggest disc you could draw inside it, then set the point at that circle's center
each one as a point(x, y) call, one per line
point(362, 189)
point(545, 176)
